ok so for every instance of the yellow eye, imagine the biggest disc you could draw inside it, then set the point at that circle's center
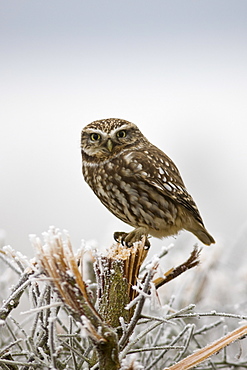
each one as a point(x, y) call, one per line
point(121, 134)
point(95, 136)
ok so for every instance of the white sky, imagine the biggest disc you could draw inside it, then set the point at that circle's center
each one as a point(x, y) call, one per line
point(178, 69)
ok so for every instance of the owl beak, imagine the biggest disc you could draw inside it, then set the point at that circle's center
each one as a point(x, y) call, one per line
point(109, 145)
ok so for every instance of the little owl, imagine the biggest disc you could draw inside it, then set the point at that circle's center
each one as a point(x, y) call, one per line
point(137, 182)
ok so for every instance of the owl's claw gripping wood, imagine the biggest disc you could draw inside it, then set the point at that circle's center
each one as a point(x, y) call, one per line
point(134, 236)
point(119, 236)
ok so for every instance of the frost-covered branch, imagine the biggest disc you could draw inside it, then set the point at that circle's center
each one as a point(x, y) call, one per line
point(58, 263)
point(118, 320)
point(141, 300)
point(14, 299)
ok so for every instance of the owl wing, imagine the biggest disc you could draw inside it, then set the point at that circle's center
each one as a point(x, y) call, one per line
point(155, 168)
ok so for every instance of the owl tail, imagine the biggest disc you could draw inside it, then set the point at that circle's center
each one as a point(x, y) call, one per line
point(203, 235)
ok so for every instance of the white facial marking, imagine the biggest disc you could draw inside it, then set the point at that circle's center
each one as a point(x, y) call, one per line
point(96, 164)
point(123, 127)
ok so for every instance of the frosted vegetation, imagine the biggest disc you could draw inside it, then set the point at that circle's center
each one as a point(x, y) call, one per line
point(65, 310)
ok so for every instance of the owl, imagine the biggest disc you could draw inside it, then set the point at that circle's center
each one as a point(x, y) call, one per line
point(137, 182)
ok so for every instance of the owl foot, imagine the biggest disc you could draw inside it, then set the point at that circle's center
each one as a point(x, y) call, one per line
point(128, 239)
point(119, 236)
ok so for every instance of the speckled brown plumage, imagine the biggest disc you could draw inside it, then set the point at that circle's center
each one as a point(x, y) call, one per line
point(137, 182)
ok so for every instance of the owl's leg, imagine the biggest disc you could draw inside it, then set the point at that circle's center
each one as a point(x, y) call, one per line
point(134, 236)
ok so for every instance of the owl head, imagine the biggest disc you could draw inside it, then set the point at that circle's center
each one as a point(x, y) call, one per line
point(108, 137)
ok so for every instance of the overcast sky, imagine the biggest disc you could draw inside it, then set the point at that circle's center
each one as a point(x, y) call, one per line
point(178, 69)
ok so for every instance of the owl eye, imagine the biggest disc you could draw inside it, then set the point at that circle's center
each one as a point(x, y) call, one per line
point(121, 133)
point(95, 136)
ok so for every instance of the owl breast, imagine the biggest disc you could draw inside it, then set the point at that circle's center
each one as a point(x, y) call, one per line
point(120, 185)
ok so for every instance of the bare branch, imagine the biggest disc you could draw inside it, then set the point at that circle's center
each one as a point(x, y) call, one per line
point(191, 262)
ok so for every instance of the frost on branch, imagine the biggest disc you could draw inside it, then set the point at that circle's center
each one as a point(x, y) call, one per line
point(117, 273)
point(109, 322)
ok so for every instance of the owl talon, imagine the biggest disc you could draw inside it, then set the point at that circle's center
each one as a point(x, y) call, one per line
point(127, 244)
point(128, 239)
point(147, 244)
point(119, 236)
point(123, 243)
point(130, 243)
